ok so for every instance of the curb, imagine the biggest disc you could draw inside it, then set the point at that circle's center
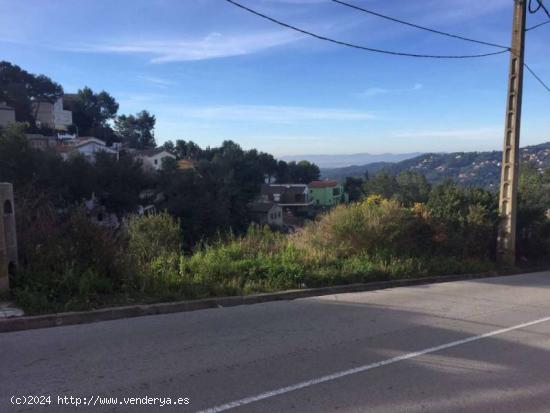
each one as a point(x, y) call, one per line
point(115, 313)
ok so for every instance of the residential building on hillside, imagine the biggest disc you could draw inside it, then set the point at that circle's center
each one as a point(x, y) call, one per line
point(41, 142)
point(326, 193)
point(87, 146)
point(52, 115)
point(7, 114)
point(286, 195)
point(152, 158)
point(292, 198)
point(266, 213)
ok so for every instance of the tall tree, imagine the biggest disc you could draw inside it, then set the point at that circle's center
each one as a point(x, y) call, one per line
point(137, 130)
point(413, 187)
point(92, 113)
point(353, 187)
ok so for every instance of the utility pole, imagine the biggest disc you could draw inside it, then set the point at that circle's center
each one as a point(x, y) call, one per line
point(506, 248)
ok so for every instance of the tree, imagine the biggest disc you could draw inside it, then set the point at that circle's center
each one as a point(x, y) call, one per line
point(383, 184)
point(92, 113)
point(354, 188)
point(533, 234)
point(137, 130)
point(119, 182)
point(412, 187)
point(169, 146)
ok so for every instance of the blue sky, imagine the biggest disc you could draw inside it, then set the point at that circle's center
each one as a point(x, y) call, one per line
point(209, 71)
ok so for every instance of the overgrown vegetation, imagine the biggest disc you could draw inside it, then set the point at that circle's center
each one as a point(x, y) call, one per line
point(398, 226)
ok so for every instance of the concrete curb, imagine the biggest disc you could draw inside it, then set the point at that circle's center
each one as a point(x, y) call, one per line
point(114, 313)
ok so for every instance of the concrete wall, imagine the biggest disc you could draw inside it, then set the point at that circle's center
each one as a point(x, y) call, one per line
point(8, 236)
point(7, 116)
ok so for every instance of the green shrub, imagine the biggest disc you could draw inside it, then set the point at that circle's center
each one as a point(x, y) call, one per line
point(367, 227)
point(67, 262)
point(154, 244)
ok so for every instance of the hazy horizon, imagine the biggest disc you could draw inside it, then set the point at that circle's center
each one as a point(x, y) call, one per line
point(210, 72)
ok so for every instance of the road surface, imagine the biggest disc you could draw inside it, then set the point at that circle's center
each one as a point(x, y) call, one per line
point(471, 346)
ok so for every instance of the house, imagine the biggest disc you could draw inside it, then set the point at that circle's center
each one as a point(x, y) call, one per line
point(286, 195)
point(87, 146)
point(266, 213)
point(41, 142)
point(326, 193)
point(152, 158)
point(52, 115)
point(7, 114)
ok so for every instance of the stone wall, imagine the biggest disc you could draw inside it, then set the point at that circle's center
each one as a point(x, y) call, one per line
point(8, 237)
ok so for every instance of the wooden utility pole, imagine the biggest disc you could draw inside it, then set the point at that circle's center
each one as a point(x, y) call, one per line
point(506, 248)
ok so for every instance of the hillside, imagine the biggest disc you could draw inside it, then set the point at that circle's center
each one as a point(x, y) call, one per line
point(466, 168)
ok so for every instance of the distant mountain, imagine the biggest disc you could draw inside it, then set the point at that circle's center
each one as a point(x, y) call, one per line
point(338, 161)
point(465, 168)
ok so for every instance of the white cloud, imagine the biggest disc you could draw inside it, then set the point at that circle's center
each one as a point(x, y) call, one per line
point(214, 45)
point(157, 80)
point(376, 91)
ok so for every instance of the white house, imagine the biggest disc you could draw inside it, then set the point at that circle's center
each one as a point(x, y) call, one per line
point(152, 158)
point(266, 213)
point(88, 147)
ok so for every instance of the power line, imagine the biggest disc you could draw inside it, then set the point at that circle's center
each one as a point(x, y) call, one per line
point(393, 19)
point(544, 85)
point(537, 25)
point(540, 5)
point(355, 46)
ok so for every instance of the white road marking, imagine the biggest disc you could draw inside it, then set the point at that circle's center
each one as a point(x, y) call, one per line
point(360, 369)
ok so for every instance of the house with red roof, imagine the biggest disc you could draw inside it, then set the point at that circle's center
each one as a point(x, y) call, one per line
point(326, 193)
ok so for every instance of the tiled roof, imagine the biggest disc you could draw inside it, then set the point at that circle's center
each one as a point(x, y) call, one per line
point(323, 184)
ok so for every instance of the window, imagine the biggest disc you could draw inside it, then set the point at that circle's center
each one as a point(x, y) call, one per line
point(277, 197)
point(156, 161)
point(336, 192)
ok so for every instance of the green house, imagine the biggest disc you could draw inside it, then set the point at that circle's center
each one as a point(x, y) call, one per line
point(326, 193)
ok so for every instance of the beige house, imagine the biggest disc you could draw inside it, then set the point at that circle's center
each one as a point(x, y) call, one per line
point(52, 115)
point(7, 114)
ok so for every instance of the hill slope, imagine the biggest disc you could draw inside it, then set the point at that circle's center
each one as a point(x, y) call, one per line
point(466, 168)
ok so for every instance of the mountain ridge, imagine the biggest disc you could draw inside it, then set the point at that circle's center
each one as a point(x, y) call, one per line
point(345, 160)
point(465, 168)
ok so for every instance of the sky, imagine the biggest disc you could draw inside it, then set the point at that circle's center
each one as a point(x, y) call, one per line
point(210, 71)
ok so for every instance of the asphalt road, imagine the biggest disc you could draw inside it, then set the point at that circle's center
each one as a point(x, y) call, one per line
point(472, 346)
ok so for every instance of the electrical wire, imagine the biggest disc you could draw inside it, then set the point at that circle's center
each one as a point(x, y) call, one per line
point(531, 9)
point(537, 25)
point(393, 19)
point(544, 85)
point(365, 48)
